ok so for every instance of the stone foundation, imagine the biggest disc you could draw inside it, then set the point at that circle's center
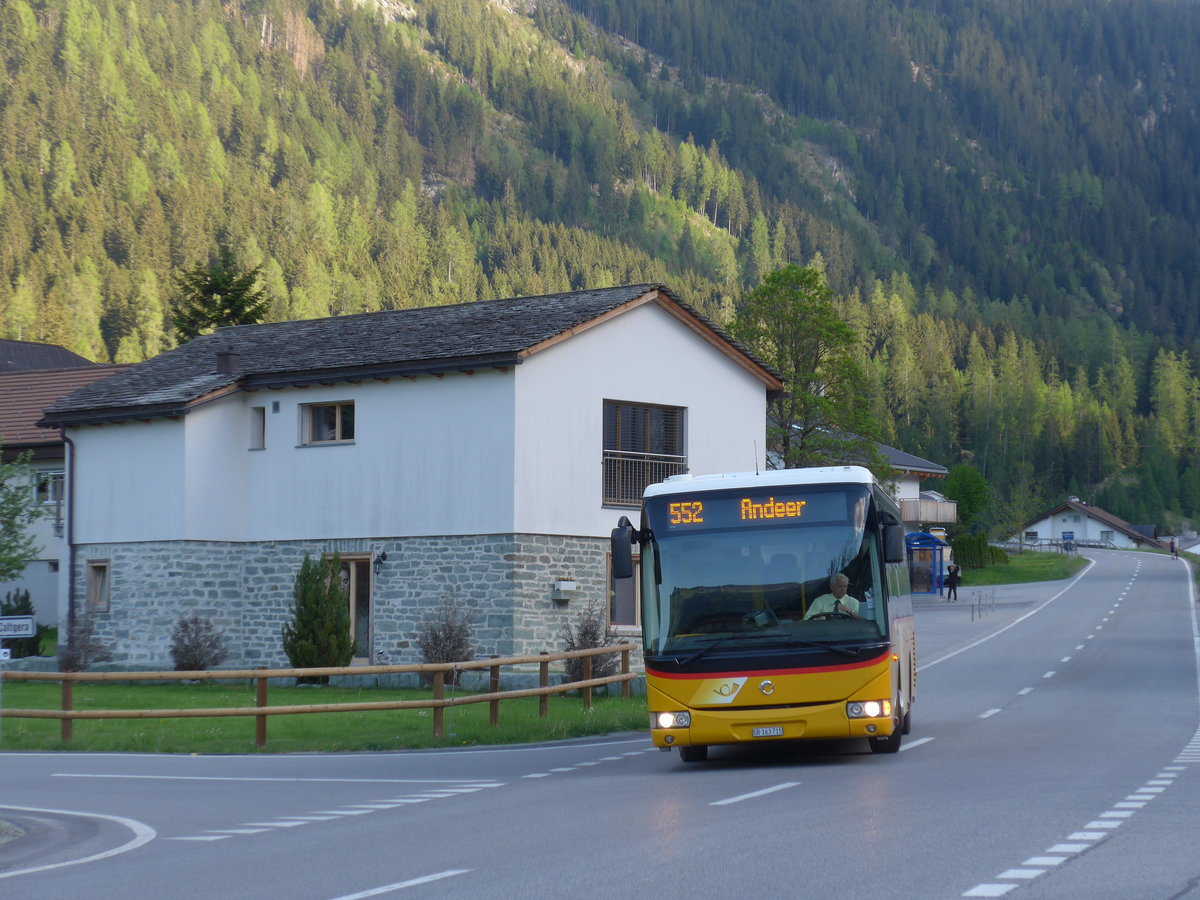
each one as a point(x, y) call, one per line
point(504, 581)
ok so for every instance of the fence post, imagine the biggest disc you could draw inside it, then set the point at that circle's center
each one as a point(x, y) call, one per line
point(439, 692)
point(544, 682)
point(260, 700)
point(68, 691)
point(626, 690)
point(587, 676)
point(494, 687)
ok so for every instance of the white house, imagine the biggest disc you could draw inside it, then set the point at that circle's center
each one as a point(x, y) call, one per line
point(1076, 522)
point(478, 453)
point(32, 376)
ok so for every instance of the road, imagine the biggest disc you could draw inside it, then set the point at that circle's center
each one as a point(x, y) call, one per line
point(1055, 753)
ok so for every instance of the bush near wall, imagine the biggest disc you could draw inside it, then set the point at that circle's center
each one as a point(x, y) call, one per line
point(972, 551)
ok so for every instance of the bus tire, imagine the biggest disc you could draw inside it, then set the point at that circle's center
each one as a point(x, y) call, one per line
point(694, 753)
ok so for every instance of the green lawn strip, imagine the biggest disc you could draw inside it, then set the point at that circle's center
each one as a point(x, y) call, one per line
point(335, 731)
point(1022, 568)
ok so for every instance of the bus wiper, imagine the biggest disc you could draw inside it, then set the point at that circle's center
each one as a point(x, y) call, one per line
point(825, 645)
point(789, 639)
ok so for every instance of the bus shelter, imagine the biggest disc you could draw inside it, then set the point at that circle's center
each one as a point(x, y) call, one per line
point(926, 555)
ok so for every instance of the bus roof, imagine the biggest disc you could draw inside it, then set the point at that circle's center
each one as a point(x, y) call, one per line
point(736, 481)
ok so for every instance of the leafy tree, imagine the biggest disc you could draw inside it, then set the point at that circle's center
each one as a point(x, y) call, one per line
point(218, 294)
point(319, 633)
point(18, 510)
point(970, 490)
point(824, 418)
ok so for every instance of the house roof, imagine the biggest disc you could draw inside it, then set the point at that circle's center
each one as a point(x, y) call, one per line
point(25, 395)
point(427, 340)
point(24, 356)
point(909, 463)
point(1075, 505)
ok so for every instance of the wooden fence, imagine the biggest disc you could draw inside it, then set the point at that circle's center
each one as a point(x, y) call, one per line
point(260, 677)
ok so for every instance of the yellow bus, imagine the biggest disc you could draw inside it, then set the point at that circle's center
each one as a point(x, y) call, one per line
point(775, 606)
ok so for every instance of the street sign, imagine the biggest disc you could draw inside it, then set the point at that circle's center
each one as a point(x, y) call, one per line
point(17, 626)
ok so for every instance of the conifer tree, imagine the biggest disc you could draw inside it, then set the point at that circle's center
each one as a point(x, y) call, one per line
point(218, 294)
point(319, 633)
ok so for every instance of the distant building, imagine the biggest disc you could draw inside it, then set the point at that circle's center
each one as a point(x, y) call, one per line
point(1076, 522)
point(32, 377)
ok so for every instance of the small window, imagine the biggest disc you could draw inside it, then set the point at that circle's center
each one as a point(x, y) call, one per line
point(49, 487)
point(328, 423)
point(258, 427)
point(1031, 537)
point(98, 585)
point(625, 607)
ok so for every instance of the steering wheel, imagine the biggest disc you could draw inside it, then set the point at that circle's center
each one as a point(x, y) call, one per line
point(834, 614)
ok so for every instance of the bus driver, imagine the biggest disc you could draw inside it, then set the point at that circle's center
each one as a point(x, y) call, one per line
point(836, 601)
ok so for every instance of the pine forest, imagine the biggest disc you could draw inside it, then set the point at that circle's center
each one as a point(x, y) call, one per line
point(1004, 195)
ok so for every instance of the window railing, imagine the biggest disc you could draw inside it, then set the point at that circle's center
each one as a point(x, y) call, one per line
point(626, 474)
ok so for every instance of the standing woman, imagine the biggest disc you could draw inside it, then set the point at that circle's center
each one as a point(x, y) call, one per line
point(952, 583)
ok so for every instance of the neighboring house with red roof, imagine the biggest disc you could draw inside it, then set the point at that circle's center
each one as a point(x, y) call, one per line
point(479, 453)
point(1084, 525)
point(32, 377)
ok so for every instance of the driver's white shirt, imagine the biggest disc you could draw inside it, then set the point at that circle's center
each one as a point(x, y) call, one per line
point(828, 603)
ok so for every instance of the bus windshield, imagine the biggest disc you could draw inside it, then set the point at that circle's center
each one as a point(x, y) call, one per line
point(754, 569)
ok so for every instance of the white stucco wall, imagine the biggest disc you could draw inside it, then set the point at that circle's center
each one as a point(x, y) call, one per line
point(128, 481)
point(643, 356)
point(430, 456)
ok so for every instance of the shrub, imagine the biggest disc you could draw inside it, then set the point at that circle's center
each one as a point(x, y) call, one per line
point(18, 603)
point(319, 633)
point(445, 636)
point(196, 644)
point(972, 551)
point(590, 630)
point(84, 647)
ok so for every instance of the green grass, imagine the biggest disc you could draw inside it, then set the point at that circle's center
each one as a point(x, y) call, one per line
point(341, 731)
point(1024, 567)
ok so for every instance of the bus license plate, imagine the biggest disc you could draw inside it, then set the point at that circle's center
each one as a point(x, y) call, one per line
point(770, 731)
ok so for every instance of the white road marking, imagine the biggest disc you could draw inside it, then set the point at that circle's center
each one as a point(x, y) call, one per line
point(401, 885)
point(917, 743)
point(753, 794)
point(988, 714)
point(142, 834)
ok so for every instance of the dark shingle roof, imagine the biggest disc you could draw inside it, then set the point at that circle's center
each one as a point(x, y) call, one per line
point(378, 344)
point(908, 462)
point(25, 356)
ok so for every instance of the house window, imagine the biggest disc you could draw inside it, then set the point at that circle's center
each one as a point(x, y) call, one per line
point(328, 423)
point(1031, 537)
point(49, 487)
point(258, 428)
point(642, 445)
point(98, 571)
point(625, 602)
point(1106, 536)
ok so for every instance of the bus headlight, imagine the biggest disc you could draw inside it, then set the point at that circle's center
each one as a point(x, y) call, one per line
point(670, 720)
point(868, 709)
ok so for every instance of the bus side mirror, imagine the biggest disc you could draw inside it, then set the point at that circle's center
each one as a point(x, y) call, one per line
point(893, 544)
point(623, 537)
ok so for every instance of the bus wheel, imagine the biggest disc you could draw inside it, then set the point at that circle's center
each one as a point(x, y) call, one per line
point(694, 753)
point(906, 727)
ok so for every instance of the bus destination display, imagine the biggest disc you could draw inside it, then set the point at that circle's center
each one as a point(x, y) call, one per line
point(731, 510)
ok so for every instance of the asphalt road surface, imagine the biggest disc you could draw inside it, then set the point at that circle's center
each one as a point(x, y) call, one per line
point(1055, 753)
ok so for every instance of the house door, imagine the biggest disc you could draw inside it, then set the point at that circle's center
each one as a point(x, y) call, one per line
point(356, 579)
